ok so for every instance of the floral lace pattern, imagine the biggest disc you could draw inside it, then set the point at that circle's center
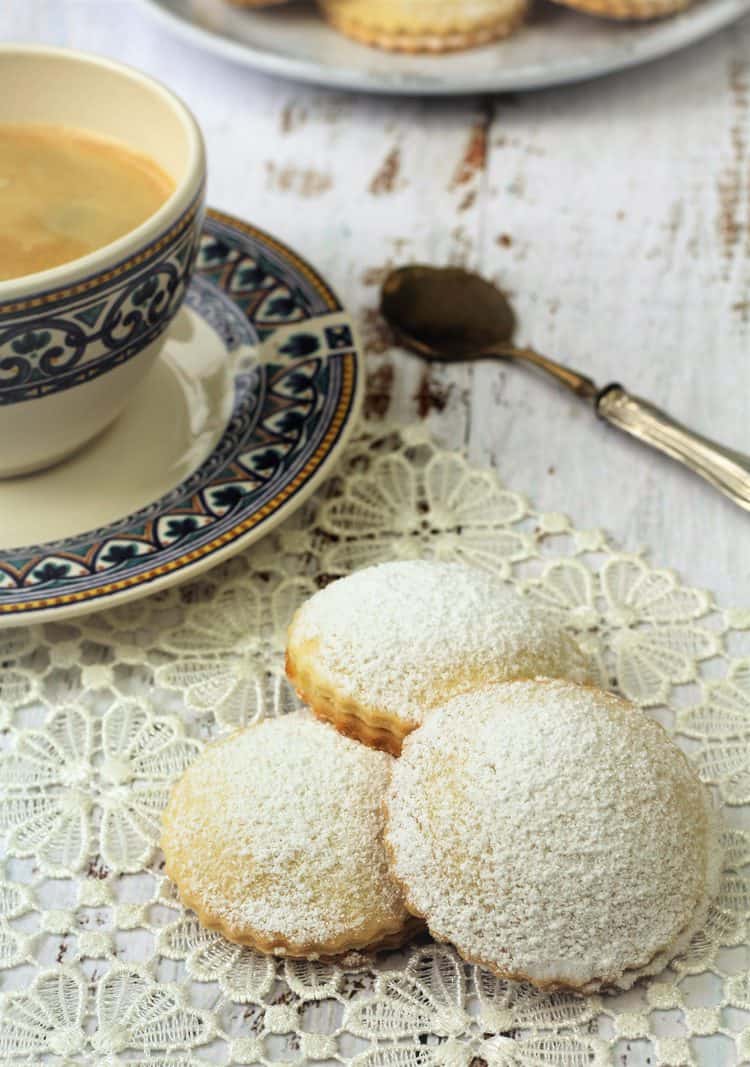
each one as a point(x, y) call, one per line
point(99, 963)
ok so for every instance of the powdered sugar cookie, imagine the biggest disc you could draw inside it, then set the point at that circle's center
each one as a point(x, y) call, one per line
point(424, 25)
point(274, 837)
point(553, 833)
point(374, 652)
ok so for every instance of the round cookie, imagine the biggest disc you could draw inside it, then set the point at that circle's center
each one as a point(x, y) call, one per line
point(374, 652)
point(628, 9)
point(554, 834)
point(274, 837)
point(424, 25)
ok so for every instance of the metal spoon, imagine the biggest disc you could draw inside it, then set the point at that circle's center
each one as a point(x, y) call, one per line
point(449, 315)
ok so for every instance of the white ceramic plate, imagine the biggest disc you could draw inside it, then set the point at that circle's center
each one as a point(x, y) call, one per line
point(557, 47)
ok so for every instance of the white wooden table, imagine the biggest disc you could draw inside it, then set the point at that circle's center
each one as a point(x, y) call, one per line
point(617, 212)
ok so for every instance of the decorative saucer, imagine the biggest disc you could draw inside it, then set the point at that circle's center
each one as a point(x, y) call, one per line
point(241, 418)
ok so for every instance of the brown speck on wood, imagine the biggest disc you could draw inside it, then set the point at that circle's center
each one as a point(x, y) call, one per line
point(378, 392)
point(376, 336)
point(357, 983)
point(694, 246)
point(96, 869)
point(431, 395)
point(468, 201)
point(284, 996)
point(731, 180)
point(335, 108)
point(303, 182)
point(377, 275)
point(505, 240)
point(517, 187)
point(728, 223)
point(474, 159)
point(674, 220)
point(254, 1015)
point(462, 247)
point(386, 178)
point(293, 116)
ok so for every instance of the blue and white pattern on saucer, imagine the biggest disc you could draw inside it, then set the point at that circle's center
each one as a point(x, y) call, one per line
point(293, 408)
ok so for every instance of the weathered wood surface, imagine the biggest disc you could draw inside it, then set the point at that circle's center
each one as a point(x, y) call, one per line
point(617, 212)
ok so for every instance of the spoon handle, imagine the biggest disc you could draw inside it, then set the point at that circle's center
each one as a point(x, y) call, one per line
point(571, 379)
point(725, 469)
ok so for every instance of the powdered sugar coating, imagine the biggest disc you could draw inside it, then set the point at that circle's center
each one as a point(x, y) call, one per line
point(403, 637)
point(552, 832)
point(275, 836)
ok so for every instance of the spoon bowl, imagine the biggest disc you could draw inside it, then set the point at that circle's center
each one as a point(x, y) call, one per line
point(449, 315)
point(446, 313)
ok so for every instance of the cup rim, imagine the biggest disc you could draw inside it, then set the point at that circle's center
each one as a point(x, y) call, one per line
point(185, 191)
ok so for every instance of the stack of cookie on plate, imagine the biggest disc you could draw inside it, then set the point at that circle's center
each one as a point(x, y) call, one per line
point(449, 25)
point(461, 771)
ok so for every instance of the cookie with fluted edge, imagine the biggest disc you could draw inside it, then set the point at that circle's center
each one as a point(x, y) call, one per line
point(424, 25)
point(258, 3)
point(628, 9)
point(374, 652)
point(274, 837)
point(554, 834)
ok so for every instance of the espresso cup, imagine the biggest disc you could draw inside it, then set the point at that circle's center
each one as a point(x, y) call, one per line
point(75, 340)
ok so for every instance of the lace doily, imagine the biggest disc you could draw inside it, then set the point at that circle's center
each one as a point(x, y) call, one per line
point(98, 962)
